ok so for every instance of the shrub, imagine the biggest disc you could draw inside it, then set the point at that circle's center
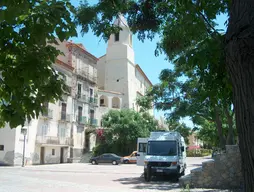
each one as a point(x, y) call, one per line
point(199, 152)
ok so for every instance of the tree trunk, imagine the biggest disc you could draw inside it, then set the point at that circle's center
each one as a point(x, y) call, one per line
point(230, 136)
point(240, 65)
point(219, 127)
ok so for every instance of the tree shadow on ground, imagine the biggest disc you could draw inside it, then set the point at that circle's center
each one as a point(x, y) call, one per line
point(162, 184)
point(195, 165)
point(158, 183)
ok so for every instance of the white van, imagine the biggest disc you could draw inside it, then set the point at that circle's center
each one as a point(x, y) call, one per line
point(163, 153)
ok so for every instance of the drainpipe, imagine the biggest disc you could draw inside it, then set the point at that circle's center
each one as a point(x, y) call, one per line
point(72, 122)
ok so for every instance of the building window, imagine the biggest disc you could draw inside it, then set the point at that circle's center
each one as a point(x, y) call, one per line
point(79, 90)
point(1, 147)
point(53, 151)
point(101, 102)
point(63, 111)
point(61, 131)
point(117, 36)
point(44, 129)
point(91, 92)
point(142, 147)
point(80, 109)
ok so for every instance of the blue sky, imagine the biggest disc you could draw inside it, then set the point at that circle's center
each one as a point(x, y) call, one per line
point(144, 53)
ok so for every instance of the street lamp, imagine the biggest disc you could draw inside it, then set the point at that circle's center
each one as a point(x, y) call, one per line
point(24, 132)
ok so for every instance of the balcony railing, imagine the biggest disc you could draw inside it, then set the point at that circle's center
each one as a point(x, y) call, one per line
point(54, 140)
point(65, 117)
point(85, 74)
point(93, 100)
point(115, 106)
point(93, 122)
point(81, 120)
point(47, 113)
point(82, 98)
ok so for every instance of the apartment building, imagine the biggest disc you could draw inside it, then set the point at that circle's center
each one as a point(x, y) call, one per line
point(95, 85)
point(58, 135)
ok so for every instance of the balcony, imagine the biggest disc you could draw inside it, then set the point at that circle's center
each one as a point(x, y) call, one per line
point(93, 122)
point(84, 74)
point(93, 100)
point(81, 120)
point(65, 117)
point(82, 98)
point(54, 140)
point(48, 113)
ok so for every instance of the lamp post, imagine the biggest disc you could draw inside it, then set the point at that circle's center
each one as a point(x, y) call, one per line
point(24, 132)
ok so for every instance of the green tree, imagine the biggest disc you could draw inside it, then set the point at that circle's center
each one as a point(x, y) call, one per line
point(122, 128)
point(27, 79)
point(182, 128)
point(208, 134)
point(184, 27)
point(190, 98)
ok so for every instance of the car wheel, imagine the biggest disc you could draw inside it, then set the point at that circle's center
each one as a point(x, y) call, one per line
point(126, 161)
point(94, 162)
point(114, 162)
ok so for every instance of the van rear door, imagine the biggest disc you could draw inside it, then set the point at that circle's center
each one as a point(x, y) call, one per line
point(141, 153)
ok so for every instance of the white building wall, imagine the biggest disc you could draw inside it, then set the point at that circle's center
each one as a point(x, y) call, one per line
point(119, 68)
point(29, 143)
point(116, 79)
point(7, 138)
point(101, 72)
point(42, 128)
point(63, 48)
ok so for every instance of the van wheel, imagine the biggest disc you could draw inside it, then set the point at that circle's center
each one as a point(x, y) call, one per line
point(183, 173)
point(175, 179)
point(147, 177)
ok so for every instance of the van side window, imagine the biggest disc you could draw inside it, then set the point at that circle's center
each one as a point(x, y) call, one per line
point(142, 147)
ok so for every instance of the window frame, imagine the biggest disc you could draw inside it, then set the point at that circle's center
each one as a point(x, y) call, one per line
point(117, 37)
point(1, 147)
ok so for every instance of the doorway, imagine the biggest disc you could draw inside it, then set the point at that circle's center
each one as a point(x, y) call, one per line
point(42, 155)
point(62, 155)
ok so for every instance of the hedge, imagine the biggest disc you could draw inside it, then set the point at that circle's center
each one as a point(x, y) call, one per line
point(199, 152)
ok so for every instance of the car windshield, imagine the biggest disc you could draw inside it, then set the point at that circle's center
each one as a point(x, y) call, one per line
point(161, 148)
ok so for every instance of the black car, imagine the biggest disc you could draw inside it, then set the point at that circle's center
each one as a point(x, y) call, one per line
point(106, 158)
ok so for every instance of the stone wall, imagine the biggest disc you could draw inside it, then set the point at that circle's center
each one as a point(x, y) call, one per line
point(223, 172)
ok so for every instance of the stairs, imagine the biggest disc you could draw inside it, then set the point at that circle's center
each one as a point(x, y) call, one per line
point(223, 172)
point(86, 157)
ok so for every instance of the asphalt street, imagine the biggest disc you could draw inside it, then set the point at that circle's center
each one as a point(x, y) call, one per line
point(85, 178)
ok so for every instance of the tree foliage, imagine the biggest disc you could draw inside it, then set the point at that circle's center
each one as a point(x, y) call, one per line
point(27, 79)
point(186, 28)
point(182, 128)
point(122, 128)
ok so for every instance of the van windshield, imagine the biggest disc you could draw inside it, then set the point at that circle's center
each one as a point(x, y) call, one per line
point(161, 148)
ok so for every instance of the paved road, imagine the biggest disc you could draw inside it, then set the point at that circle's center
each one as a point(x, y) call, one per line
point(84, 178)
